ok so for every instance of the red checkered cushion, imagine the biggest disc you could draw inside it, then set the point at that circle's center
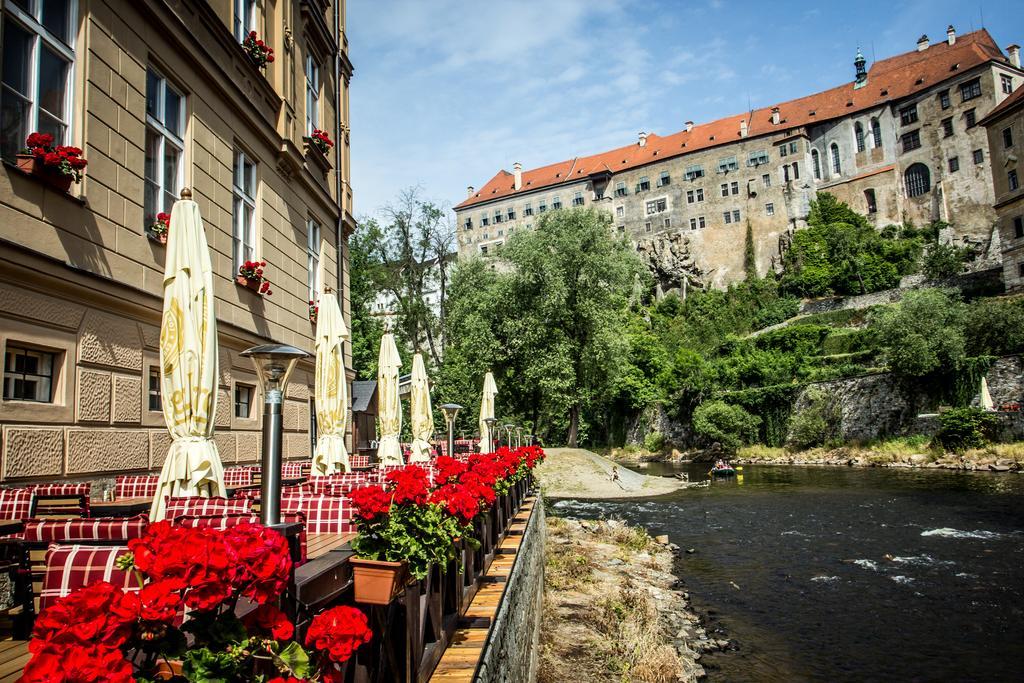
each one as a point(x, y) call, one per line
point(251, 493)
point(62, 489)
point(324, 514)
point(359, 461)
point(135, 486)
point(198, 505)
point(16, 503)
point(95, 529)
point(238, 476)
point(321, 484)
point(75, 566)
point(292, 470)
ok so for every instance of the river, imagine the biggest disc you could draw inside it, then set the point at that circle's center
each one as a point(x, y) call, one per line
point(844, 574)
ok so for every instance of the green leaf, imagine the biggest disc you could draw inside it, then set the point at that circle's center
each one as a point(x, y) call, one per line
point(296, 659)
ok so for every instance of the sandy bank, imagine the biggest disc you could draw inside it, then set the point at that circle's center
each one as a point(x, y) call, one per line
point(578, 473)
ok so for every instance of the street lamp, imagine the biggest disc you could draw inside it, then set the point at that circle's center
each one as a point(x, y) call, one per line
point(490, 434)
point(508, 434)
point(274, 365)
point(519, 437)
point(450, 410)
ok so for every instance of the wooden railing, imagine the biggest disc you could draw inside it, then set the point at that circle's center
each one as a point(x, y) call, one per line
point(413, 631)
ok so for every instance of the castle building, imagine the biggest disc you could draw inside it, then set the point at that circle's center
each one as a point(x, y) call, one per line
point(1005, 126)
point(161, 96)
point(900, 142)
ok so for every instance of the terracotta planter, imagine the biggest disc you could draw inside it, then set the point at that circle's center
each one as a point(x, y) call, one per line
point(248, 283)
point(167, 670)
point(159, 238)
point(377, 582)
point(26, 162)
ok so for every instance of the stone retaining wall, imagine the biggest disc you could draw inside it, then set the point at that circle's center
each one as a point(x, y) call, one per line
point(512, 654)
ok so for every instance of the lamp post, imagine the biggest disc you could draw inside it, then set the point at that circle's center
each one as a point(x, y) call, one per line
point(490, 434)
point(508, 434)
point(519, 437)
point(274, 365)
point(450, 410)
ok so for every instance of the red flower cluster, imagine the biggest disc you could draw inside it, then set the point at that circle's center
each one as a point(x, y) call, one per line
point(259, 52)
point(370, 502)
point(62, 159)
point(321, 141)
point(339, 632)
point(161, 224)
point(253, 270)
point(314, 312)
point(78, 664)
point(269, 621)
point(448, 469)
point(409, 485)
point(39, 141)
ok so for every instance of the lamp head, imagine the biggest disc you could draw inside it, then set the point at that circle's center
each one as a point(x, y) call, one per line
point(450, 410)
point(274, 365)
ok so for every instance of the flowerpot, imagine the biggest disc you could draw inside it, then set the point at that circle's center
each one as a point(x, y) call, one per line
point(159, 238)
point(377, 582)
point(248, 283)
point(26, 162)
point(168, 670)
point(58, 181)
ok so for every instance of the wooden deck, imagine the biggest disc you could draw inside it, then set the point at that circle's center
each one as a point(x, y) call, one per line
point(321, 544)
point(13, 657)
point(460, 661)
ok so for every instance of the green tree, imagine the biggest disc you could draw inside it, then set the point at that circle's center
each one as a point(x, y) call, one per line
point(943, 260)
point(366, 329)
point(924, 334)
point(729, 425)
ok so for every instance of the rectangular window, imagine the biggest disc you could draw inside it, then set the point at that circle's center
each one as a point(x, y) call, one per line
point(510, 213)
point(245, 18)
point(947, 127)
point(483, 249)
point(944, 99)
point(796, 170)
point(469, 223)
point(908, 115)
point(726, 164)
point(693, 224)
point(577, 199)
point(1006, 83)
point(668, 222)
point(769, 209)
point(700, 194)
point(620, 189)
point(621, 229)
point(970, 118)
point(979, 156)
point(695, 171)
point(1007, 138)
point(757, 158)
point(243, 400)
point(312, 94)
point(735, 187)
point(793, 148)
point(497, 216)
point(36, 86)
point(28, 374)
point(970, 89)
point(869, 199)
point(736, 216)
point(1011, 180)
point(244, 209)
point(543, 206)
point(766, 180)
point(664, 179)
point(485, 221)
point(1020, 269)
point(911, 140)
point(725, 189)
point(1018, 226)
point(644, 184)
point(528, 209)
point(727, 217)
point(954, 164)
point(693, 196)
point(620, 211)
point(652, 207)
point(556, 203)
point(783, 150)
point(312, 256)
point(647, 226)
point(165, 147)
point(155, 404)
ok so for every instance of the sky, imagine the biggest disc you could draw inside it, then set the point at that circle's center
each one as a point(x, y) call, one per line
point(447, 92)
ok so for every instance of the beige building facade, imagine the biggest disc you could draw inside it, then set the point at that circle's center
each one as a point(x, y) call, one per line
point(161, 96)
point(899, 143)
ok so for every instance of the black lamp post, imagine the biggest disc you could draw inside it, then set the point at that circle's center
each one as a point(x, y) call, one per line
point(450, 410)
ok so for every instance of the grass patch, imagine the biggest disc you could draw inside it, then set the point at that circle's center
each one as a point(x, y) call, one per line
point(632, 642)
point(760, 451)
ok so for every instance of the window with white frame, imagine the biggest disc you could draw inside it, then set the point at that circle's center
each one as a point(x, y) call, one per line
point(769, 209)
point(837, 168)
point(165, 146)
point(244, 209)
point(312, 255)
point(38, 60)
point(245, 18)
point(312, 94)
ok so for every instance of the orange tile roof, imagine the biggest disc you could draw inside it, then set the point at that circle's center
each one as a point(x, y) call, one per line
point(1014, 101)
point(888, 79)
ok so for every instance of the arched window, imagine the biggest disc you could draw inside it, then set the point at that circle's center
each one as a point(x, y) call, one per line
point(816, 164)
point(918, 180)
point(858, 133)
point(876, 133)
point(836, 167)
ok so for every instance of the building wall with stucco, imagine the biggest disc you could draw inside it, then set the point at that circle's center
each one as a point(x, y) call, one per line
point(81, 280)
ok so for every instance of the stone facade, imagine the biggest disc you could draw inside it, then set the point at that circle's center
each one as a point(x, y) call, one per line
point(80, 279)
point(685, 200)
point(512, 653)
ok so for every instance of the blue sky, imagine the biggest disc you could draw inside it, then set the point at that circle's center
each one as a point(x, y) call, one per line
point(446, 92)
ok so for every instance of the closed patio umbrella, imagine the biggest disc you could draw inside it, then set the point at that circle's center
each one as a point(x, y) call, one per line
point(389, 404)
point(331, 390)
point(986, 397)
point(486, 411)
point(188, 362)
point(422, 414)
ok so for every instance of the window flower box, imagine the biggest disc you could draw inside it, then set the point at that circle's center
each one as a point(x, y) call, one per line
point(250, 276)
point(259, 52)
point(314, 312)
point(157, 231)
point(319, 141)
point(58, 166)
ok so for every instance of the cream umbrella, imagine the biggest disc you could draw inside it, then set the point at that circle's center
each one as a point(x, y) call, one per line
point(486, 411)
point(331, 391)
point(188, 362)
point(389, 405)
point(986, 397)
point(422, 413)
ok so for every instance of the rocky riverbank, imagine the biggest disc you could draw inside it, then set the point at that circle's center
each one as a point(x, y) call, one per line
point(994, 458)
point(613, 610)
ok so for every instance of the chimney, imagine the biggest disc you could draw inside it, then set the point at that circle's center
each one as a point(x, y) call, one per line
point(689, 126)
point(922, 43)
point(951, 35)
point(1013, 51)
point(517, 171)
point(469, 191)
point(743, 128)
point(642, 139)
point(775, 116)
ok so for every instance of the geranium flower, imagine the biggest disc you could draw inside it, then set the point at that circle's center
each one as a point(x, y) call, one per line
point(339, 632)
point(269, 620)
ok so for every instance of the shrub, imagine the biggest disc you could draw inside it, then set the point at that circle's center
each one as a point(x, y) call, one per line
point(819, 423)
point(654, 442)
point(943, 260)
point(963, 428)
point(729, 425)
point(923, 335)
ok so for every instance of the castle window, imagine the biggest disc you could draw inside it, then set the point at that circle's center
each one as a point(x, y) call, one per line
point(528, 209)
point(556, 203)
point(664, 179)
point(726, 164)
point(1007, 137)
point(836, 165)
point(468, 225)
point(484, 220)
point(979, 156)
point(796, 170)
point(908, 115)
point(917, 180)
point(1011, 180)
point(970, 90)
point(1006, 82)
point(725, 189)
point(769, 209)
point(816, 164)
point(757, 158)
point(735, 187)
point(695, 171)
point(620, 211)
point(727, 217)
point(577, 199)
point(644, 185)
point(947, 127)
point(510, 214)
point(944, 99)
point(542, 206)
point(876, 133)
point(858, 134)
point(497, 216)
point(911, 140)
point(954, 164)
point(869, 199)
point(970, 118)
point(766, 179)
point(1018, 226)
point(620, 189)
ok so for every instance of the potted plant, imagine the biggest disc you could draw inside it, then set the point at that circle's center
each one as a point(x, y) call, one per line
point(250, 275)
point(159, 227)
point(319, 141)
point(105, 633)
point(314, 312)
point(59, 166)
point(259, 52)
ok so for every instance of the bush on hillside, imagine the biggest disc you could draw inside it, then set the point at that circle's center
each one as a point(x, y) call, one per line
point(924, 334)
point(729, 425)
point(964, 428)
point(943, 260)
point(819, 423)
point(654, 442)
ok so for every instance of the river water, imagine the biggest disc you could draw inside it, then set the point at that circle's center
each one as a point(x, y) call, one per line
point(843, 574)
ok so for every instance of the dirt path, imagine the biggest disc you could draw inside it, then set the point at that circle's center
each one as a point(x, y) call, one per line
point(579, 473)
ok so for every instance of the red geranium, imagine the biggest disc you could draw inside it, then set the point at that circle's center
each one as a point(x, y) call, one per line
point(339, 632)
point(269, 620)
point(263, 561)
point(161, 600)
point(448, 469)
point(409, 485)
point(78, 664)
point(321, 141)
point(370, 502)
point(258, 51)
point(37, 141)
point(99, 613)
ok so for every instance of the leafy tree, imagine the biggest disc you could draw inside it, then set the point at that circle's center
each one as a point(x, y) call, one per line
point(964, 428)
point(924, 334)
point(994, 327)
point(366, 329)
point(818, 423)
point(729, 425)
point(943, 260)
point(749, 255)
